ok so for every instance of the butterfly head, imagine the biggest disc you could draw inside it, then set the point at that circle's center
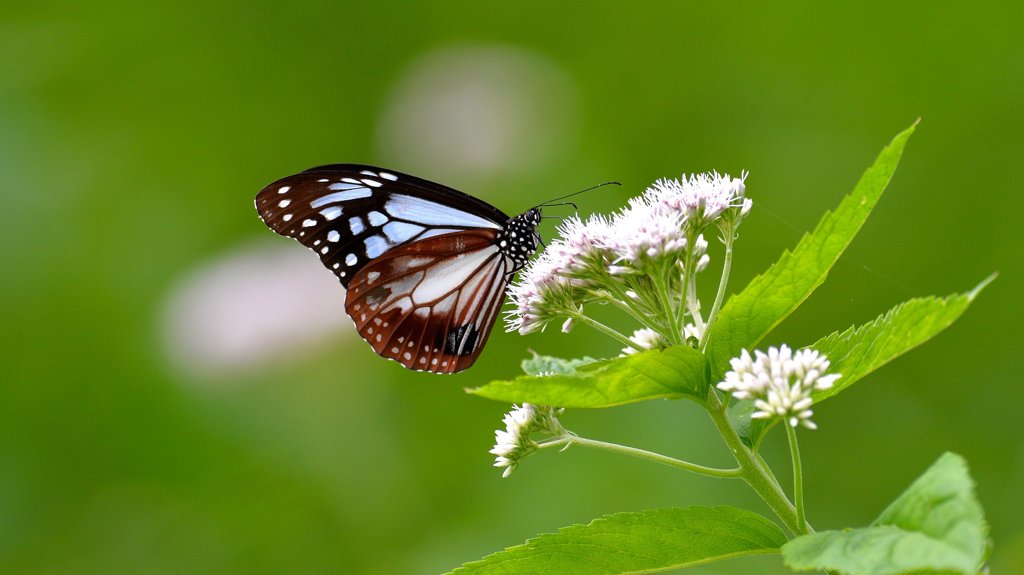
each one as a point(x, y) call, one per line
point(519, 238)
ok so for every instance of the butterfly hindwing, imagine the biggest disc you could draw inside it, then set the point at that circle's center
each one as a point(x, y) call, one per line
point(430, 304)
point(351, 214)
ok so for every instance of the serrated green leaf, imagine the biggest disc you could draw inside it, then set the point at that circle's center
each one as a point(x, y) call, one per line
point(675, 372)
point(935, 526)
point(862, 349)
point(748, 316)
point(645, 542)
point(547, 364)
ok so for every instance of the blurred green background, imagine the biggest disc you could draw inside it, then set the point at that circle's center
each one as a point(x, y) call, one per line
point(179, 396)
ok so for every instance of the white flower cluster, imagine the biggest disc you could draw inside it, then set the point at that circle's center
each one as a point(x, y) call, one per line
point(780, 382)
point(701, 197)
point(657, 225)
point(513, 443)
point(645, 338)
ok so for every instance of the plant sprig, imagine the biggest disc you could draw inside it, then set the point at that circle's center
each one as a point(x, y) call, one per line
point(646, 259)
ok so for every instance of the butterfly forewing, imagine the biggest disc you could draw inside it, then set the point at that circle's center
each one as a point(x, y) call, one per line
point(430, 304)
point(351, 214)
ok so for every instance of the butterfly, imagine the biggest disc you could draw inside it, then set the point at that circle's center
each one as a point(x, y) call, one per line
point(425, 267)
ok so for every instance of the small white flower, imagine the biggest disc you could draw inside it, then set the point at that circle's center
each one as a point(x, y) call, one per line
point(692, 331)
point(513, 443)
point(645, 338)
point(780, 382)
point(567, 325)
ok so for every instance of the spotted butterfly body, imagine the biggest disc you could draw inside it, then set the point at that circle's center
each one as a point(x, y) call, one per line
point(425, 266)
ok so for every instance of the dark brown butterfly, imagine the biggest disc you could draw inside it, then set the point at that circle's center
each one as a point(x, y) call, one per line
point(425, 266)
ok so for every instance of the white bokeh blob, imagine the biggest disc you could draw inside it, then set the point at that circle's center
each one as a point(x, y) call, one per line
point(256, 305)
point(478, 111)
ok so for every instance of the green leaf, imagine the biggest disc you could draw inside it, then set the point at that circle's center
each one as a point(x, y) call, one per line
point(861, 350)
point(547, 364)
point(675, 372)
point(936, 525)
point(645, 542)
point(748, 316)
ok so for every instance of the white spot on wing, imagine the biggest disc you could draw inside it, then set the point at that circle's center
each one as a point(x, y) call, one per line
point(333, 236)
point(331, 212)
point(375, 246)
point(356, 225)
point(351, 259)
point(423, 211)
point(388, 176)
point(343, 186)
point(399, 232)
point(448, 274)
point(345, 196)
point(404, 304)
point(287, 217)
point(444, 306)
point(308, 223)
point(436, 232)
point(377, 218)
point(284, 189)
point(283, 203)
point(372, 183)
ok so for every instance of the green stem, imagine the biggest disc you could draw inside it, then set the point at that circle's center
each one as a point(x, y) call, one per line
point(570, 439)
point(768, 470)
point(687, 270)
point(675, 334)
point(694, 304)
point(720, 296)
point(605, 330)
point(621, 301)
point(798, 477)
point(751, 470)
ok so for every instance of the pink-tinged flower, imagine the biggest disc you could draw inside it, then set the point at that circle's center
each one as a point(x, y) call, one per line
point(642, 232)
point(701, 197)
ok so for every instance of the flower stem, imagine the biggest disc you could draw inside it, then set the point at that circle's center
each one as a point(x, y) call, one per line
point(570, 439)
point(798, 477)
point(684, 288)
point(720, 296)
point(675, 333)
point(694, 304)
point(752, 471)
point(605, 330)
point(621, 301)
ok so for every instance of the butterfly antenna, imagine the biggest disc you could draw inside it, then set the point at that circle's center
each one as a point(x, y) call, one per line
point(573, 204)
point(551, 203)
